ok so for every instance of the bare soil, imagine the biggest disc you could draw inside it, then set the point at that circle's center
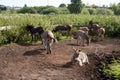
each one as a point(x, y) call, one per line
point(30, 61)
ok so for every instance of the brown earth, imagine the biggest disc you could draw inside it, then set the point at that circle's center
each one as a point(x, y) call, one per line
point(30, 61)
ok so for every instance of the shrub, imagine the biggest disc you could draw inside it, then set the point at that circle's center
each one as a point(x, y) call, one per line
point(85, 12)
point(92, 11)
point(50, 10)
point(104, 11)
point(113, 70)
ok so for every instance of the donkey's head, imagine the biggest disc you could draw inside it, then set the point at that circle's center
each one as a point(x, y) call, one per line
point(29, 27)
point(90, 22)
point(77, 51)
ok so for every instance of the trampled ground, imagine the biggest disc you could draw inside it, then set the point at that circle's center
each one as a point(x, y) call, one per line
point(30, 61)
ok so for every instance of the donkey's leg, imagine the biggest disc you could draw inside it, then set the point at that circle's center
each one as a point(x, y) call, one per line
point(78, 39)
point(87, 60)
point(49, 43)
point(48, 48)
point(79, 60)
point(32, 36)
point(82, 42)
point(44, 43)
point(102, 37)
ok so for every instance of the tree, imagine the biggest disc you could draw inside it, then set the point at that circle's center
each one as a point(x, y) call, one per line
point(2, 7)
point(62, 5)
point(76, 6)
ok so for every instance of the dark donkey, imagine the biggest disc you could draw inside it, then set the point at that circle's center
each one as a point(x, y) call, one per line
point(63, 28)
point(34, 30)
point(46, 35)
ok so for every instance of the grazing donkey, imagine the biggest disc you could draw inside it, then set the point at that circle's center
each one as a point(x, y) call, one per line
point(97, 30)
point(47, 39)
point(101, 33)
point(82, 36)
point(34, 30)
point(62, 28)
point(79, 56)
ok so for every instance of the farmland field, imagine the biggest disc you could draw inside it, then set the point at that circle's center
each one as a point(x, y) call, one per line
point(28, 61)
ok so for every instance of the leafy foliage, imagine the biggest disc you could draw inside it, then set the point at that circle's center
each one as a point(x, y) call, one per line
point(62, 5)
point(50, 10)
point(19, 21)
point(116, 9)
point(2, 7)
point(26, 9)
point(113, 70)
point(85, 11)
point(104, 11)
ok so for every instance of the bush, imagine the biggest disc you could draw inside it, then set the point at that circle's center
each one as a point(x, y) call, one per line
point(14, 35)
point(92, 11)
point(50, 10)
point(27, 10)
point(116, 9)
point(85, 11)
point(63, 10)
point(103, 11)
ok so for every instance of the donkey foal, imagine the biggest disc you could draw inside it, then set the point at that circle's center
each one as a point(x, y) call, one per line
point(79, 56)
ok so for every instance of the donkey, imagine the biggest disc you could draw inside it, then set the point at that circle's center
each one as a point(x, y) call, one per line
point(101, 33)
point(62, 28)
point(79, 56)
point(86, 29)
point(47, 39)
point(34, 30)
point(82, 36)
point(97, 29)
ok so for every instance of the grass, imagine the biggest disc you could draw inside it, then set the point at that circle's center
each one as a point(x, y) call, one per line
point(19, 21)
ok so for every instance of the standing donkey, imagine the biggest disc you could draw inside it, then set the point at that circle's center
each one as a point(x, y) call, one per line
point(48, 39)
point(34, 30)
point(83, 36)
point(97, 30)
point(46, 35)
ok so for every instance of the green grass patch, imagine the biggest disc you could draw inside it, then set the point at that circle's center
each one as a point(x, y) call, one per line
point(113, 69)
point(18, 34)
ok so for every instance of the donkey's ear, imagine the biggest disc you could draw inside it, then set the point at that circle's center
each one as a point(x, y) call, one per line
point(74, 49)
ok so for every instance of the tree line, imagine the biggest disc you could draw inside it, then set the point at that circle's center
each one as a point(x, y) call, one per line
point(76, 7)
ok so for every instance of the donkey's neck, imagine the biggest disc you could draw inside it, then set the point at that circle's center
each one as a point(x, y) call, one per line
point(42, 31)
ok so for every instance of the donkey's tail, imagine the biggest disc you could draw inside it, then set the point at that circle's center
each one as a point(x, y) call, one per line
point(55, 40)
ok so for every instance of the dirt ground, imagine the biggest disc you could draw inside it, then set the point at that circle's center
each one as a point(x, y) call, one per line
point(30, 61)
